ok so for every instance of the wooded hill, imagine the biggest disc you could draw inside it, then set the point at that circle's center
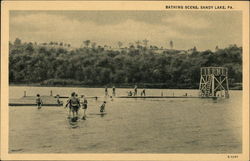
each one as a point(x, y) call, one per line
point(92, 65)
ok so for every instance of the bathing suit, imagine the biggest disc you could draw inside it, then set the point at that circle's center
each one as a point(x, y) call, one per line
point(39, 101)
point(74, 104)
point(102, 108)
point(85, 104)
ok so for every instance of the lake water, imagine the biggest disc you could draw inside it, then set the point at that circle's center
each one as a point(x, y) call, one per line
point(170, 125)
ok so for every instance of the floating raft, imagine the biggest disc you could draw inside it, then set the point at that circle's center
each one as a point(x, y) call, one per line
point(79, 97)
point(31, 101)
point(145, 97)
point(163, 97)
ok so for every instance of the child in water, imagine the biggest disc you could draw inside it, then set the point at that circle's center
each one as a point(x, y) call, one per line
point(84, 106)
point(111, 98)
point(39, 101)
point(102, 107)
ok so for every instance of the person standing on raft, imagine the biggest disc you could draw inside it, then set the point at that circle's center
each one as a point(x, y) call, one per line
point(143, 92)
point(39, 101)
point(113, 90)
point(135, 90)
point(58, 99)
point(106, 91)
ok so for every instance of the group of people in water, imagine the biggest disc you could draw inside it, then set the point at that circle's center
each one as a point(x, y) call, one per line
point(130, 93)
point(73, 104)
point(143, 92)
point(107, 93)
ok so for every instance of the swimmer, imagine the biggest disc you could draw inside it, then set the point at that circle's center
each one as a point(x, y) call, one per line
point(102, 107)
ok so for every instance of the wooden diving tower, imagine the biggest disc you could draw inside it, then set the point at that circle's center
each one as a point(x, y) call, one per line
point(214, 82)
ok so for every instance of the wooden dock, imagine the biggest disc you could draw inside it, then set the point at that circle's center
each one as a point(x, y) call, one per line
point(31, 101)
point(52, 100)
point(144, 97)
point(79, 97)
point(163, 97)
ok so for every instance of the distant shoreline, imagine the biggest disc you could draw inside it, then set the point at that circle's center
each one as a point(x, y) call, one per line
point(237, 86)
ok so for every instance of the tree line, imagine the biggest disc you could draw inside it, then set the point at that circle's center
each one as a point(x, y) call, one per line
point(94, 65)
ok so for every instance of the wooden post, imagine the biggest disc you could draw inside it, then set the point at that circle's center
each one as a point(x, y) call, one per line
point(220, 87)
point(227, 89)
point(200, 86)
point(212, 77)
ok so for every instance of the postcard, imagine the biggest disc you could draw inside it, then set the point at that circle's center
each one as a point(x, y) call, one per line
point(125, 80)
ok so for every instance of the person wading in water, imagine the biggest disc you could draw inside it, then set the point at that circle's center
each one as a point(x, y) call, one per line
point(102, 107)
point(39, 101)
point(84, 106)
point(74, 105)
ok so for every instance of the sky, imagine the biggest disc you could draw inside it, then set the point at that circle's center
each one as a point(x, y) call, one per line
point(203, 29)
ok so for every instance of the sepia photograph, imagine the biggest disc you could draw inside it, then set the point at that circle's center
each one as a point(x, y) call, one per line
point(126, 81)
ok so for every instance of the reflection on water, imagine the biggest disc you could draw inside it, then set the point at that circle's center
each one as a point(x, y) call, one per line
point(129, 125)
point(75, 122)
